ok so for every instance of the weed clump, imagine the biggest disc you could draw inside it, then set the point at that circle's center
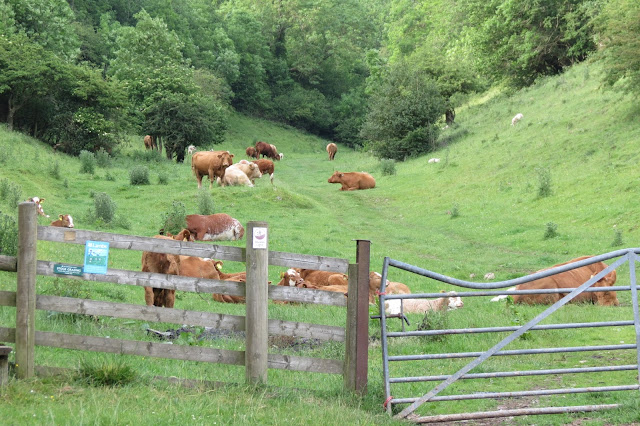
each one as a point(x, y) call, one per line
point(544, 182)
point(8, 235)
point(105, 372)
point(87, 162)
point(103, 158)
point(174, 220)
point(617, 238)
point(205, 202)
point(434, 320)
point(139, 175)
point(105, 207)
point(551, 231)
point(388, 167)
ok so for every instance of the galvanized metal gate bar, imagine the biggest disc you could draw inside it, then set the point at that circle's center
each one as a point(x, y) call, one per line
point(625, 255)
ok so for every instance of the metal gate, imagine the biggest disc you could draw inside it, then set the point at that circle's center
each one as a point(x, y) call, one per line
point(623, 256)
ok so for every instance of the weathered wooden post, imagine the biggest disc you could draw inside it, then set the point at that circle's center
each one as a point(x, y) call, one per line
point(257, 263)
point(356, 363)
point(26, 290)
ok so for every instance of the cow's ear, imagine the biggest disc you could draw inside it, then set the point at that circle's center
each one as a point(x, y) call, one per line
point(281, 274)
point(41, 200)
point(231, 155)
point(341, 174)
point(219, 155)
point(60, 217)
point(218, 266)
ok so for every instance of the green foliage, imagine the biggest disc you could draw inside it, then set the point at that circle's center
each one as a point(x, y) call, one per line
point(139, 175)
point(173, 220)
point(106, 371)
point(54, 170)
point(103, 159)
point(10, 192)
point(434, 320)
point(8, 235)
point(87, 162)
point(455, 211)
point(109, 177)
point(163, 178)
point(551, 230)
point(388, 167)
point(544, 181)
point(617, 238)
point(105, 207)
point(205, 202)
point(403, 113)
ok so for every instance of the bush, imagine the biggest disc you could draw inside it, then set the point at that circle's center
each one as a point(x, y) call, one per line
point(87, 162)
point(434, 320)
point(617, 238)
point(544, 182)
point(388, 167)
point(55, 170)
point(174, 220)
point(205, 202)
point(551, 231)
point(10, 192)
point(105, 208)
point(139, 175)
point(104, 372)
point(163, 179)
point(8, 235)
point(455, 211)
point(103, 158)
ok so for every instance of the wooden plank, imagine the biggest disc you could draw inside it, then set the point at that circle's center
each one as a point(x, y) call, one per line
point(135, 347)
point(7, 334)
point(307, 261)
point(256, 344)
point(306, 295)
point(7, 298)
point(150, 279)
point(178, 316)
point(26, 290)
point(310, 365)
point(133, 242)
point(8, 263)
point(362, 318)
point(350, 350)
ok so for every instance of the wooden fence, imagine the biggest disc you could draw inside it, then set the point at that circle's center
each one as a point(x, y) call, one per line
point(256, 324)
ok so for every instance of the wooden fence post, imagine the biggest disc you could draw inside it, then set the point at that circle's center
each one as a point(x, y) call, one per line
point(26, 290)
point(356, 363)
point(256, 326)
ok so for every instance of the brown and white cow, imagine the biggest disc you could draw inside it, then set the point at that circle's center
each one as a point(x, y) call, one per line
point(322, 278)
point(351, 181)
point(266, 167)
point(150, 142)
point(332, 148)
point(160, 263)
point(210, 163)
point(266, 150)
point(38, 201)
point(214, 227)
point(64, 220)
point(570, 279)
point(242, 173)
point(375, 279)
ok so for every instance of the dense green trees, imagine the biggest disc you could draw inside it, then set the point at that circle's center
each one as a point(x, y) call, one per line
point(373, 73)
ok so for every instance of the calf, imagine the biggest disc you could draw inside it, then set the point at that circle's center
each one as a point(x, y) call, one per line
point(421, 306)
point(38, 202)
point(64, 220)
point(160, 263)
point(516, 118)
point(251, 152)
point(191, 149)
point(265, 166)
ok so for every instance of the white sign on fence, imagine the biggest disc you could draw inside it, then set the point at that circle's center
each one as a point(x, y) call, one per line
point(259, 238)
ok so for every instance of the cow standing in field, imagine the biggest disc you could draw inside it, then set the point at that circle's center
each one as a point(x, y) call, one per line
point(352, 181)
point(332, 148)
point(160, 263)
point(266, 167)
point(150, 142)
point(214, 227)
point(571, 279)
point(251, 152)
point(210, 163)
point(266, 150)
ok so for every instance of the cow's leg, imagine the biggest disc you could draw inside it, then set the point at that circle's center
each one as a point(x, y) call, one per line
point(169, 298)
point(158, 297)
point(148, 296)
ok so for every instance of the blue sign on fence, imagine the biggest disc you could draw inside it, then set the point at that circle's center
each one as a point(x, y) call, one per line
point(96, 256)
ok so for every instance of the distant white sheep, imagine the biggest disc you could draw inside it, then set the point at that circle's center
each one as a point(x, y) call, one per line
point(517, 118)
point(434, 160)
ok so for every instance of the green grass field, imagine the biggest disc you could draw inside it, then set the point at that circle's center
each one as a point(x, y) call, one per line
point(575, 142)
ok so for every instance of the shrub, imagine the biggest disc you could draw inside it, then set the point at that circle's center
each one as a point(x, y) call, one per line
point(617, 238)
point(205, 202)
point(10, 192)
point(174, 219)
point(434, 320)
point(544, 181)
point(388, 167)
point(103, 158)
point(87, 162)
point(551, 231)
point(105, 372)
point(54, 171)
point(139, 175)
point(105, 208)
point(108, 176)
point(455, 211)
point(8, 235)
point(163, 179)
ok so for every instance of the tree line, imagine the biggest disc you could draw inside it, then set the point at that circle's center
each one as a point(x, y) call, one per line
point(377, 74)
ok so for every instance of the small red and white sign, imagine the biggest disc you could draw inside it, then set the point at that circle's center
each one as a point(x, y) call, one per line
point(259, 238)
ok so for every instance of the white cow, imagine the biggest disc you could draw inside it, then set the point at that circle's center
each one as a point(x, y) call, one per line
point(421, 306)
point(517, 118)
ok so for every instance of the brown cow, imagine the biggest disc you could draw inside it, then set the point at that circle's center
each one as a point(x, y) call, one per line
point(150, 142)
point(391, 287)
point(64, 220)
point(251, 152)
point(570, 279)
point(266, 150)
point(332, 148)
point(210, 163)
point(322, 278)
point(160, 263)
point(235, 276)
point(265, 166)
point(353, 180)
point(214, 227)
point(335, 288)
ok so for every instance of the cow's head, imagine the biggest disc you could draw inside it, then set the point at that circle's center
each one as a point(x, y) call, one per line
point(454, 302)
point(336, 177)
point(291, 278)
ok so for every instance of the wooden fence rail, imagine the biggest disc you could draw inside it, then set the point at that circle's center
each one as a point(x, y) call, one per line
point(255, 324)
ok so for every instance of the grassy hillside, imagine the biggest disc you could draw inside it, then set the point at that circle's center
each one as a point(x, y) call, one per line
point(478, 210)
